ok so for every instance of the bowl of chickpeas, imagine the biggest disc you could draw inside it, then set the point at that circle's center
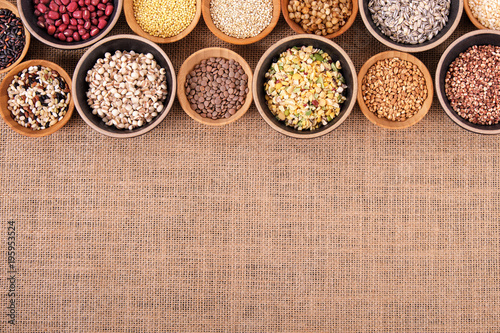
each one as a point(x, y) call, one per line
point(325, 18)
point(174, 21)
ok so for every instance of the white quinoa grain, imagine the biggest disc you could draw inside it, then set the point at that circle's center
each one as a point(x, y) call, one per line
point(487, 12)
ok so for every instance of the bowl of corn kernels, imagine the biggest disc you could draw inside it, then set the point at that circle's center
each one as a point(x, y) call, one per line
point(305, 86)
point(174, 22)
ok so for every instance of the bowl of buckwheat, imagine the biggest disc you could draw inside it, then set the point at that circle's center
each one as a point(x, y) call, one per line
point(124, 86)
point(36, 98)
point(411, 26)
point(305, 86)
point(395, 90)
point(468, 81)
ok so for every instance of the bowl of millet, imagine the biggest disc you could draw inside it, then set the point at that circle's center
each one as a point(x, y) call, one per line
point(468, 81)
point(305, 86)
point(124, 86)
point(162, 21)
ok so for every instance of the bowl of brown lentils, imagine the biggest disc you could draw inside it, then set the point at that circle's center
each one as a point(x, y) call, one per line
point(305, 86)
point(411, 26)
point(36, 98)
point(124, 86)
point(395, 90)
point(214, 86)
point(468, 81)
point(328, 18)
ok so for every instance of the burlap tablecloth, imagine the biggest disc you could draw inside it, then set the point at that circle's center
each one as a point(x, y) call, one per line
point(241, 229)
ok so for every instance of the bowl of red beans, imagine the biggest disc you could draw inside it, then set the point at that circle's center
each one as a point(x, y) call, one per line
point(69, 24)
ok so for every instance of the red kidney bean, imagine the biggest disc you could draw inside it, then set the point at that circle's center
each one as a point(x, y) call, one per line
point(86, 36)
point(49, 22)
point(65, 2)
point(41, 8)
point(80, 21)
point(53, 15)
point(62, 9)
point(87, 2)
point(65, 18)
point(91, 8)
point(94, 22)
point(86, 26)
point(73, 21)
point(94, 31)
point(72, 27)
point(104, 1)
point(101, 6)
point(81, 3)
point(102, 24)
point(40, 24)
point(85, 14)
point(94, 2)
point(93, 15)
point(58, 23)
point(68, 33)
point(51, 29)
point(100, 13)
point(53, 6)
point(62, 27)
point(77, 14)
point(72, 7)
point(61, 36)
point(41, 18)
point(45, 2)
point(69, 39)
point(109, 10)
point(82, 32)
point(37, 13)
point(58, 2)
point(76, 36)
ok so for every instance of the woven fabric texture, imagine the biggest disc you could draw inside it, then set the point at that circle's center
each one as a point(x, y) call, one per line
point(191, 228)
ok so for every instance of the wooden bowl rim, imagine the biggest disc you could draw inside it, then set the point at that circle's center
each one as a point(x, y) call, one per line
point(295, 27)
point(442, 99)
point(191, 62)
point(386, 123)
point(6, 113)
point(404, 47)
point(474, 21)
point(157, 120)
point(207, 17)
point(128, 9)
point(350, 106)
point(71, 46)
point(27, 36)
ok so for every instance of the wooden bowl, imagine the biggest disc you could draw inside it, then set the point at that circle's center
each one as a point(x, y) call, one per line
point(454, 17)
point(4, 98)
point(128, 9)
point(298, 29)
point(112, 44)
point(474, 20)
point(272, 54)
point(26, 11)
point(27, 35)
point(477, 37)
point(189, 65)
point(239, 41)
point(386, 123)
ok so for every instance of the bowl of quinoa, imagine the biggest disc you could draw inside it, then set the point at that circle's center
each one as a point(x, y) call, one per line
point(305, 86)
point(468, 81)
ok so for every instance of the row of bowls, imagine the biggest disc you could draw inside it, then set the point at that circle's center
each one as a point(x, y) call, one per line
point(203, 7)
point(256, 90)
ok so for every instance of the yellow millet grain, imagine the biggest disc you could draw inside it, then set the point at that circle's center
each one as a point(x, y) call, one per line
point(164, 18)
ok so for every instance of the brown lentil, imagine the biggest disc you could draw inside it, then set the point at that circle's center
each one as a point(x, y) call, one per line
point(38, 97)
point(472, 84)
point(126, 89)
point(320, 17)
point(394, 89)
point(216, 88)
point(164, 18)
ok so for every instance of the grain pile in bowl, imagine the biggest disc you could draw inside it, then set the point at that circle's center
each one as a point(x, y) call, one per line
point(126, 89)
point(394, 89)
point(12, 38)
point(241, 19)
point(320, 17)
point(164, 18)
point(408, 21)
point(487, 12)
point(304, 88)
point(472, 84)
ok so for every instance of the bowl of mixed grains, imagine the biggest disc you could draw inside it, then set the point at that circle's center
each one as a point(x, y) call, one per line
point(411, 26)
point(35, 98)
point(124, 86)
point(305, 86)
point(162, 21)
point(468, 81)
point(327, 18)
point(395, 90)
point(241, 22)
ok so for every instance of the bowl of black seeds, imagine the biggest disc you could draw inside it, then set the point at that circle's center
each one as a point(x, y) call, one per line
point(411, 26)
point(468, 81)
point(36, 98)
point(14, 37)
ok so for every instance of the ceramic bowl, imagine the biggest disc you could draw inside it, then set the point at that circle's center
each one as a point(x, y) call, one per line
point(272, 54)
point(27, 13)
point(386, 123)
point(240, 41)
point(298, 29)
point(112, 44)
point(454, 17)
point(128, 9)
point(27, 38)
point(4, 97)
point(477, 37)
point(188, 66)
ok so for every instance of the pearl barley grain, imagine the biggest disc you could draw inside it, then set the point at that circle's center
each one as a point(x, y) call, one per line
point(241, 19)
